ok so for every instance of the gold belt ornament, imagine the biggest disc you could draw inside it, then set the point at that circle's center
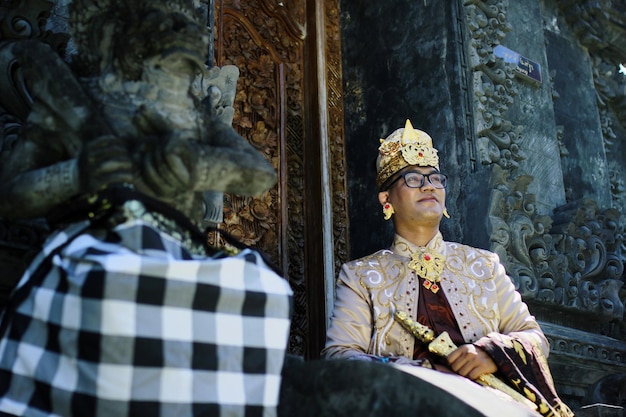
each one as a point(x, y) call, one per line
point(442, 345)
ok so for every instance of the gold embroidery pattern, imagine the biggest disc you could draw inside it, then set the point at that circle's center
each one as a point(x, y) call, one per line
point(474, 268)
point(382, 276)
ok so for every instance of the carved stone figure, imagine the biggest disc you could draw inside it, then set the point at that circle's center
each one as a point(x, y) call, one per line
point(118, 149)
point(127, 110)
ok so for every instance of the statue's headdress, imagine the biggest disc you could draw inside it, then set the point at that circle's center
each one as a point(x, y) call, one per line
point(404, 147)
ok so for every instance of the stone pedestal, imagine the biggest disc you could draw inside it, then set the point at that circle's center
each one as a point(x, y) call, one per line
point(368, 389)
point(601, 410)
point(587, 368)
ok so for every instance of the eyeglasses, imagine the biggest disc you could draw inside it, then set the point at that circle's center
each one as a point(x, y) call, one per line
point(417, 180)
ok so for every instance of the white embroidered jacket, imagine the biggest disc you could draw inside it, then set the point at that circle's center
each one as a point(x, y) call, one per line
point(482, 297)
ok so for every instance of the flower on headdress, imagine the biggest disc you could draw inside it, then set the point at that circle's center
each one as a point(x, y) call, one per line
point(420, 155)
point(389, 148)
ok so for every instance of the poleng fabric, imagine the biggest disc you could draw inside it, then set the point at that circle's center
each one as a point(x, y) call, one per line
point(128, 322)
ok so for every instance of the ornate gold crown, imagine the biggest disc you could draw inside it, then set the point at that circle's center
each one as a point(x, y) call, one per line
point(405, 146)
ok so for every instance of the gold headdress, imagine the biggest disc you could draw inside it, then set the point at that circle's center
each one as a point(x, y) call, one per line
point(405, 146)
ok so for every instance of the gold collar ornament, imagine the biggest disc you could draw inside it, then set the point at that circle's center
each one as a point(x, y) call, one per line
point(428, 266)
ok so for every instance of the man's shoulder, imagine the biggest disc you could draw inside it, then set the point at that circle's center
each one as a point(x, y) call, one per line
point(469, 251)
point(381, 253)
point(372, 258)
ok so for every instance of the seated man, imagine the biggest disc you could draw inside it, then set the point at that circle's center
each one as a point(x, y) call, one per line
point(446, 286)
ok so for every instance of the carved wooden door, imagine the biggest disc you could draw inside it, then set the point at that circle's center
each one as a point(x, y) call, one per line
point(289, 105)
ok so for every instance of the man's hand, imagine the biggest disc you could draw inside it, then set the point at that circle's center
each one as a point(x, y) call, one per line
point(471, 362)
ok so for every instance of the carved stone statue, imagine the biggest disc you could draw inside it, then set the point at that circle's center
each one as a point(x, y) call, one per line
point(128, 109)
point(120, 149)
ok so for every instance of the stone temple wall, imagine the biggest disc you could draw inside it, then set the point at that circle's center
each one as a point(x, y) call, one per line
point(532, 137)
point(525, 102)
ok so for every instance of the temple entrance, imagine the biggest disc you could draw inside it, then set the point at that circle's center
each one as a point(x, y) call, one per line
point(289, 106)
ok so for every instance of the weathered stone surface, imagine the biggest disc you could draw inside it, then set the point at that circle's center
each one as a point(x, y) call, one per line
point(366, 389)
point(601, 410)
point(399, 64)
point(585, 170)
point(533, 109)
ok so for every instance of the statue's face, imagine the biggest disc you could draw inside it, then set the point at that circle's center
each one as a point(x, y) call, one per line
point(147, 57)
point(165, 40)
point(126, 37)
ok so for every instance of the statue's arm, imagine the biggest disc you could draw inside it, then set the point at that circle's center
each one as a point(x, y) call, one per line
point(33, 193)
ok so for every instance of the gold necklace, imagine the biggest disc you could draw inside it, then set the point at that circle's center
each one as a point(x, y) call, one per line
point(428, 266)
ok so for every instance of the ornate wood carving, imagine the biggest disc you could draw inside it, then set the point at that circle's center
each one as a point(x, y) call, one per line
point(266, 41)
point(336, 133)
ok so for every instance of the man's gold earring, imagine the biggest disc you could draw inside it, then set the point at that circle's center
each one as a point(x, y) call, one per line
point(445, 213)
point(387, 211)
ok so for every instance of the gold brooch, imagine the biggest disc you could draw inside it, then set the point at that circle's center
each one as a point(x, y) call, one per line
point(429, 267)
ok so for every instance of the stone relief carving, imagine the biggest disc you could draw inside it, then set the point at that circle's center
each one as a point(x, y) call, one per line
point(493, 86)
point(124, 109)
point(611, 87)
point(574, 260)
point(599, 25)
point(21, 239)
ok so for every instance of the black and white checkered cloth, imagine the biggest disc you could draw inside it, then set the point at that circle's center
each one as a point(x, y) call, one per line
point(128, 322)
